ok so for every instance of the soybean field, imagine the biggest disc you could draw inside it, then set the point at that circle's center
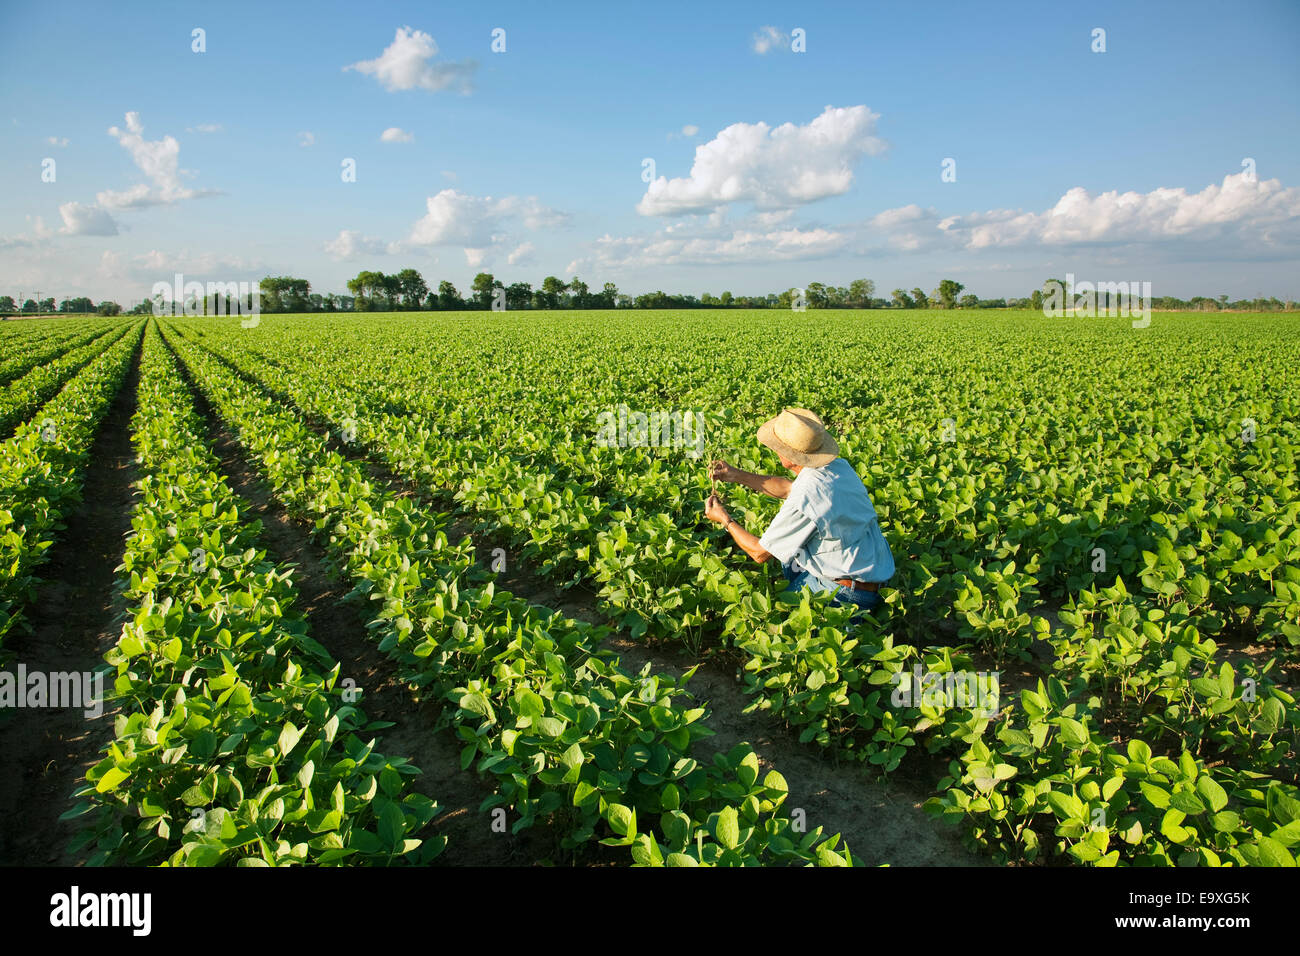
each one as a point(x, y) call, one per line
point(437, 589)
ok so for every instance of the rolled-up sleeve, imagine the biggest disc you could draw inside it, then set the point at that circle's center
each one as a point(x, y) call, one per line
point(787, 533)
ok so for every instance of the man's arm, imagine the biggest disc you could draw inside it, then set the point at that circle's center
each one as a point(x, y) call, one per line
point(747, 542)
point(714, 511)
point(774, 485)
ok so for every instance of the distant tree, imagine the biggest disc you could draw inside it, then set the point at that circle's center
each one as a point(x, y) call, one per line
point(7, 304)
point(412, 288)
point(109, 308)
point(969, 301)
point(284, 294)
point(1036, 300)
point(607, 298)
point(448, 298)
point(948, 290)
point(860, 293)
point(552, 289)
point(579, 297)
point(816, 295)
point(902, 300)
point(725, 300)
point(29, 305)
point(483, 288)
point(921, 299)
point(79, 304)
point(519, 295)
point(368, 287)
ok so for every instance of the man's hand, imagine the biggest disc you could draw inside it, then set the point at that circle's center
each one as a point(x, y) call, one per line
point(715, 512)
point(723, 472)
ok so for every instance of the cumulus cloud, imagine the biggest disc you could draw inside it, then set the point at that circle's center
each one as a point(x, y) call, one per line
point(777, 167)
point(158, 160)
point(306, 139)
point(741, 246)
point(349, 244)
point(1242, 207)
point(395, 134)
point(453, 218)
point(57, 141)
point(690, 129)
point(523, 253)
point(406, 64)
point(86, 220)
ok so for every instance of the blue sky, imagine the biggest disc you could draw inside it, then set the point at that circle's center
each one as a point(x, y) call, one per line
point(774, 168)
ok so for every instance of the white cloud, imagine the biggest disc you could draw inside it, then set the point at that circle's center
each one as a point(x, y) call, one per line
point(522, 254)
point(405, 65)
point(306, 139)
point(110, 265)
point(57, 141)
point(1260, 211)
point(770, 38)
point(395, 134)
point(204, 128)
point(771, 167)
point(349, 244)
point(83, 220)
point(448, 174)
point(454, 218)
point(158, 160)
point(741, 246)
point(690, 129)
point(483, 227)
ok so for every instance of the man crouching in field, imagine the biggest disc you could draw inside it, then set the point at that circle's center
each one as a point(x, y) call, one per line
point(826, 534)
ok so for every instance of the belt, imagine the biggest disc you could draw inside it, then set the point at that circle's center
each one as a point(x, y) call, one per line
point(859, 585)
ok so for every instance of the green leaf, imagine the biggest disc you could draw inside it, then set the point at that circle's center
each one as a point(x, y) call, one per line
point(727, 828)
point(1210, 790)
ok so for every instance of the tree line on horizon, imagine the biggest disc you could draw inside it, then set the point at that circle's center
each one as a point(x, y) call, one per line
point(407, 290)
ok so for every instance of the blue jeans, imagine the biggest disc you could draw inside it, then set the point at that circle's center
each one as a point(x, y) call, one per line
point(864, 600)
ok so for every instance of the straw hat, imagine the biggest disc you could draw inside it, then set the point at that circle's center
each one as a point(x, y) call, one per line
point(799, 436)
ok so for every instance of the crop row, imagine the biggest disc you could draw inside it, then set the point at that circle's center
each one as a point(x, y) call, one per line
point(27, 345)
point(20, 399)
point(41, 471)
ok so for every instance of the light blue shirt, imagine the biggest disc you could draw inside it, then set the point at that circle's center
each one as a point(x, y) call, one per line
point(827, 526)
